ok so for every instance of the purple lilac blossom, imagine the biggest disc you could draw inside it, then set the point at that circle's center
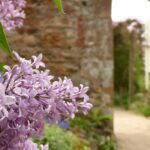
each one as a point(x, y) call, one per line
point(29, 96)
point(11, 13)
point(29, 145)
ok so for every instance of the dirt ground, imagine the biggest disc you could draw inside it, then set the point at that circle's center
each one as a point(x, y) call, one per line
point(132, 130)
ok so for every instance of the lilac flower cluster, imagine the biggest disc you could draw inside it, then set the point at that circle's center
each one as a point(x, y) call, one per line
point(29, 96)
point(11, 13)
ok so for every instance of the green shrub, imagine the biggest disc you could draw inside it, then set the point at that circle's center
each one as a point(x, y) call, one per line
point(60, 139)
point(88, 133)
point(95, 128)
point(139, 97)
point(108, 143)
point(145, 110)
point(141, 104)
point(122, 99)
point(93, 120)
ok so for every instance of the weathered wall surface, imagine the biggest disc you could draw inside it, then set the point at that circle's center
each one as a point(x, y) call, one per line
point(77, 44)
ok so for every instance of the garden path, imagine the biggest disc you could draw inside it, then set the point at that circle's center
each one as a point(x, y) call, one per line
point(132, 130)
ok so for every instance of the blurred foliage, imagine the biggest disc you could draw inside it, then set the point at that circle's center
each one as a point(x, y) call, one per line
point(1, 67)
point(94, 127)
point(122, 99)
point(139, 73)
point(142, 104)
point(87, 133)
point(122, 48)
point(145, 110)
point(60, 139)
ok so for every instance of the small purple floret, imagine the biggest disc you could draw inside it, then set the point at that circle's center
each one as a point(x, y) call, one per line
point(11, 13)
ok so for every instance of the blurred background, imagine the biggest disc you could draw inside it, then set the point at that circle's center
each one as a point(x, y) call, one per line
point(131, 36)
point(105, 45)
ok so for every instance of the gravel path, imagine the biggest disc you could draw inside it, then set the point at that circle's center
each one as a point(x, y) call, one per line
point(132, 131)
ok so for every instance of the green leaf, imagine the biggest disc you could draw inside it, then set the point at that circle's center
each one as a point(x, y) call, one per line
point(2, 67)
point(59, 5)
point(3, 41)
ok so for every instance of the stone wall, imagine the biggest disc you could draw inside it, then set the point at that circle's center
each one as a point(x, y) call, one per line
point(77, 44)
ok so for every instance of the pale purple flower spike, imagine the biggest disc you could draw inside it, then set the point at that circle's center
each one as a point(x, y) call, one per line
point(11, 13)
point(29, 145)
point(29, 96)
